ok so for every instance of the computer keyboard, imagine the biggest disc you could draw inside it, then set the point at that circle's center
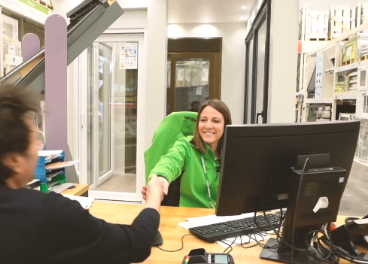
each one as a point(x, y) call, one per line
point(220, 231)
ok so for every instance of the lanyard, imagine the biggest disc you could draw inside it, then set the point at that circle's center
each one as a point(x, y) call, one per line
point(207, 182)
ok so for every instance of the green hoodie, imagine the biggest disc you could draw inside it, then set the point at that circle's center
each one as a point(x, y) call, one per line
point(184, 157)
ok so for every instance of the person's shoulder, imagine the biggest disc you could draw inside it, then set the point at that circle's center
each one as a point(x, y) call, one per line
point(185, 140)
point(30, 196)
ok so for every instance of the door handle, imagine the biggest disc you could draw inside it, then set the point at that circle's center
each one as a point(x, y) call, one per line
point(259, 114)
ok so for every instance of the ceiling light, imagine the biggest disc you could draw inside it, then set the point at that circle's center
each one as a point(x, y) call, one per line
point(241, 18)
point(172, 21)
point(243, 7)
point(206, 21)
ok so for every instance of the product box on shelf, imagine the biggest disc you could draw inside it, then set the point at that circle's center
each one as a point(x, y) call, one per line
point(350, 52)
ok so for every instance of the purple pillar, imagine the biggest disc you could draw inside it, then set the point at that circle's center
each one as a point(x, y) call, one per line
point(30, 45)
point(56, 88)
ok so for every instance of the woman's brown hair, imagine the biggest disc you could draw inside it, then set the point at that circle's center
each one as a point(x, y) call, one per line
point(220, 106)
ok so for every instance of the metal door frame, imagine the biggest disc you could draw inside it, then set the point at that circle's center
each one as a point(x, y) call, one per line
point(263, 15)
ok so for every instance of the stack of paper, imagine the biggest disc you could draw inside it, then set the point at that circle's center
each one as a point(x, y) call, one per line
point(49, 154)
point(213, 219)
point(85, 202)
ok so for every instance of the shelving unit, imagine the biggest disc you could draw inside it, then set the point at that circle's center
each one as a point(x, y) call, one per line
point(340, 82)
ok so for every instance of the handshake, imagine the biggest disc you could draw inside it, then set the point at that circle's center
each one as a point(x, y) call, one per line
point(155, 190)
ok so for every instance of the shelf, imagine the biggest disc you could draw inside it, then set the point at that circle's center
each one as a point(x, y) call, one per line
point(319, 101)
point(346, 68)
point(352, 95)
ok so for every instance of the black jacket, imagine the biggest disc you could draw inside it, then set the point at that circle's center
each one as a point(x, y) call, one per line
point(48, 228)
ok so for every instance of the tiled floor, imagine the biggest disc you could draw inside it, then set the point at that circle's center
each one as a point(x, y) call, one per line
point(119, 183)
point(355, 199)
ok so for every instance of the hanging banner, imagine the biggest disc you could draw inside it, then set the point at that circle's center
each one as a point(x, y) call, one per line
point(129, 55)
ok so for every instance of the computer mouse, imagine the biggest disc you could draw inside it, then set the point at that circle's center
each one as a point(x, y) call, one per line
point(71, 187)
point(158, 240)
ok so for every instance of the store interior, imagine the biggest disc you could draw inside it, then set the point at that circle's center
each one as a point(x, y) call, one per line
point(213, 50)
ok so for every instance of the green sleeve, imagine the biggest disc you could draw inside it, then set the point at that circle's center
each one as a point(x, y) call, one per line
point(172, 164)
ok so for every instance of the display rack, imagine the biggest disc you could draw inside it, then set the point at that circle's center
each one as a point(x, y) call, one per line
point(340, 70)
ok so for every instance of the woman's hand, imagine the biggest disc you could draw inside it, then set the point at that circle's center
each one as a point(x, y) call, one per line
point(153, 181)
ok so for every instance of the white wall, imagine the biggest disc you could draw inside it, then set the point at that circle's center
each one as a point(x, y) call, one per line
point(156, 43)
point(326, 4)
point(150, 18)
point(283, 61)
point(131, 20)
point(233, 59)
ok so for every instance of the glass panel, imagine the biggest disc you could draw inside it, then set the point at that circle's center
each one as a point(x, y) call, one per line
point(99, 110)
point(261, 50)
point(250, 72)
point(192, 83)
point(90, 110)
point(168, 73)
point(116, 101)
point(104, 107)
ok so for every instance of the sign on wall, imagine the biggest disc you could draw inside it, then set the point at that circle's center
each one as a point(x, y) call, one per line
point(319, 75)
point(129, 55)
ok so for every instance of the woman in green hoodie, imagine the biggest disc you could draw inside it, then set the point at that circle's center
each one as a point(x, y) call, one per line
point(197, 158)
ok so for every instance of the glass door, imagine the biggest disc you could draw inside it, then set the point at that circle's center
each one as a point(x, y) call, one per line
point(193, 78)
point(99, 96)
point(115, 170)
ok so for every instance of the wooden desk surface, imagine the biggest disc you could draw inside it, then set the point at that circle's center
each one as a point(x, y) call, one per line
point(78, 190)
point(172, 233)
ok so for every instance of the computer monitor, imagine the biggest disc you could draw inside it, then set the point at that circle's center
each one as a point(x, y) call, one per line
point(257, 174)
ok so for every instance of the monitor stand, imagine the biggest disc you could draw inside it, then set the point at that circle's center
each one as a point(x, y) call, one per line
point(282, 252)
point(279, 255)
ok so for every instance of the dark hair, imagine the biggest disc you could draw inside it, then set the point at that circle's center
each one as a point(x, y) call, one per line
point(194, 102)
point(15, 105)
point(220, 106)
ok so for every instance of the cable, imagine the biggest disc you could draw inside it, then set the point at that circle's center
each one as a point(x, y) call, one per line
point(296, 207)
point(229, 246)
point(176, 250)
point(306, 242)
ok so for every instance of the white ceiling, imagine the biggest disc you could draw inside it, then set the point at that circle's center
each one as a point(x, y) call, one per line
point(213, 11)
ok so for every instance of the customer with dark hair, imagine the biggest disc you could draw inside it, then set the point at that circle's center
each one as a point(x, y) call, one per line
point(197, 158)
point(194, 106)
point(37, 227)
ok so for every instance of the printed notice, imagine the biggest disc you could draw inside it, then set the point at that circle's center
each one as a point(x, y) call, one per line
point(129, 56)
point(319, 75)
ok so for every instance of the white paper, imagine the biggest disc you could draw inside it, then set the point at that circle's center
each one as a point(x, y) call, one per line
point(180, 76)
point(188, 75)
point(61, 164)
point(46, 153)
point(184, 225)
point(213, 219)
point(128, 55)
point(199, 90)
point(205, 74)
point(85, 202)
point(319, 76)
point(361, 221)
